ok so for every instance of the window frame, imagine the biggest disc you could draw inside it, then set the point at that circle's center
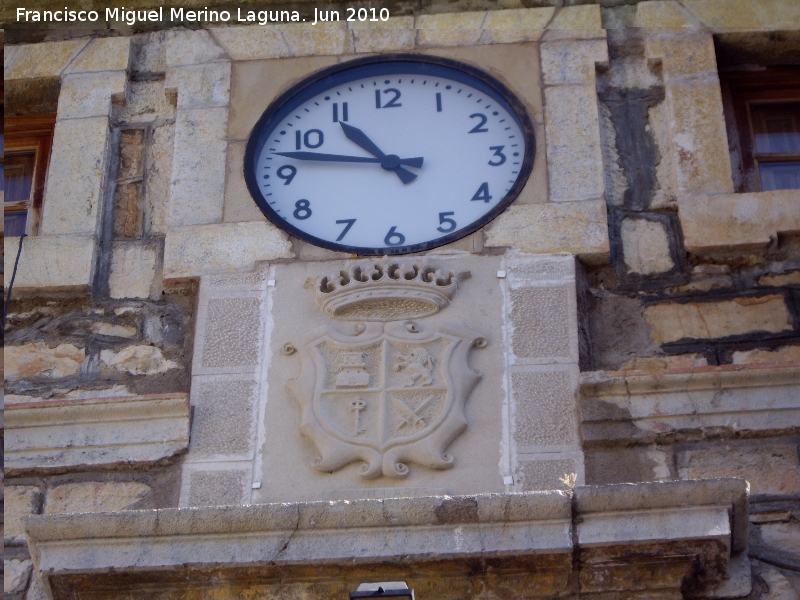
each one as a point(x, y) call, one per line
point(25, 134)
point(740, 91)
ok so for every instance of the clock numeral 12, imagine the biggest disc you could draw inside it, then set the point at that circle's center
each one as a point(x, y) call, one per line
point(393, 103)
point(306, 138)
point(336, 112)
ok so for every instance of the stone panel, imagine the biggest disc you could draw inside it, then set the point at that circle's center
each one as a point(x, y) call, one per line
point(224, 420)
point(50, 261)
point(19, 500)
point(231, 335)
point(541, 322)
point(195, 251)
point(576, 227)
point(216, 487)
point(89, 95)
point(671, 322)
point(92, 496)
point(198, 167)
point(546, 474)
point(544, 410)
point(48, 59)
point(74, 189)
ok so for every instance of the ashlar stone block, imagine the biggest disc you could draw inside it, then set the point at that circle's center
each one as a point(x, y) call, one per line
point(224, 420)
point(192, 48)
point(91, 496)
point(102, 54)
point(323, 39)
point(545, 410)
point(663, 14)
point(577, 17)
point(572, 61)
point(449, 29)
point(228, 330)
point(51, 261)
point(201, 86)
point(515, 25)
point(16, 574)
point(19, 501)
point(645, 246)
point(252, 43)
point(397, 34)
point(133, 268)
point(74, 188)
point(89, 95)
point(47, 59)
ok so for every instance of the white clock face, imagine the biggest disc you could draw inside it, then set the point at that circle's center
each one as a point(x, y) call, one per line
point(389, 156)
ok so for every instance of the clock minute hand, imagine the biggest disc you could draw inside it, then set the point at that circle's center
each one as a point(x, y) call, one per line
point(320, 156)
point(390, 162)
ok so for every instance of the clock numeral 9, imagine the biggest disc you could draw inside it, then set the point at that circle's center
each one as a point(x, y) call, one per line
point(307, 139)
point(498, 152)
point(443, 218)
point(302, 210)
point(393, 103)
point(479, 128)
point(287, 172)
point(399, 238)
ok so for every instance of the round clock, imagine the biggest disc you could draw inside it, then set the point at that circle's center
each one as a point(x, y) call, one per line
point(389, 155)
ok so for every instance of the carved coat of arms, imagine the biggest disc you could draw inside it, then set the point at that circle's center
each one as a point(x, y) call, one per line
point(392, 392)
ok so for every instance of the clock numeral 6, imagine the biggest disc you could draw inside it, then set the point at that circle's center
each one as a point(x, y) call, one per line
point(394, 238)
point(498, 153)
point(482, 193)
point(302, 209)
point(393, 103)
point(287, 172)
point(443, 218)
point(307, 137)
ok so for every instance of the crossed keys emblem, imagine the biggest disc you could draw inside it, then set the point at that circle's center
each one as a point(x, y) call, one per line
point(410, 416)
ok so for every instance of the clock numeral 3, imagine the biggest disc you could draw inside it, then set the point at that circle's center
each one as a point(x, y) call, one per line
point(312, 138)
point(302, 210)
point(346, 228)
point(336, 112)
point(394, 238)
point(443, 218)
point(498, 152)
point(393, 103)
point(479, 128)
point(287, 172)
point(482, 193)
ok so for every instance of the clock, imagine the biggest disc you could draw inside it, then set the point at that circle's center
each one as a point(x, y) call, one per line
point(389, 154)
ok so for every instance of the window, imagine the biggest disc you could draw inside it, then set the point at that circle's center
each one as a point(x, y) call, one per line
point(763, 118)
point(25, 156)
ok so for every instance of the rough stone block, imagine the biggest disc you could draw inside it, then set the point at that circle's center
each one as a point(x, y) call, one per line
point(785, 536)
point(158, 176)
point(252, 43)
point(50, 261)
point(16, 574)
point(217, 487)
point(194, 251)
point(137, 360)
point(47, 59)
point(727, 14)
point(133, 267)
point(449, 29)
point(544, 410)
point(201, 86)
point(74, 188)
point(670, 322)
point(92, 496)
point(771, 468)
point(192, 48)
point(230, 335)
point(551, 474)
point(396, 34)
point(712, 223)
point(542, 323)
point(645, 246)
point(223, 425)
point(576, 227)
point(572, 61)
point(778, 280)
point(19, 500)
point(577, 17)
point(515, 25)
point(663, 14)
point(320, 40)
point(103, 54)
point(35, 359)
point(574, 153)
point(683, 54)
point(779, 587)
point(198, 167)
point(783, 354)
point(89, 95)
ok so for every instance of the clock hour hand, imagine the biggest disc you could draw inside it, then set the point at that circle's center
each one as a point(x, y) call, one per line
point(390, 162)
point(319, 156)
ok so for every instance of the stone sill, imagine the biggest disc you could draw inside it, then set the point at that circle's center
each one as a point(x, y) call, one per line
point(626, 406)
point(98, 432)
point(696, 523)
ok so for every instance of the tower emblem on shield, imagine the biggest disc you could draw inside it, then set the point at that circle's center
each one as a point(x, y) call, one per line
point(394, 391)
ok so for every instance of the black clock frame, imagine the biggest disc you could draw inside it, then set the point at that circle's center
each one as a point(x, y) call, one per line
point(383, 65)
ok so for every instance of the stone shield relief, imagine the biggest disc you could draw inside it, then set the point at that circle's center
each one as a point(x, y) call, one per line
point(391, 391)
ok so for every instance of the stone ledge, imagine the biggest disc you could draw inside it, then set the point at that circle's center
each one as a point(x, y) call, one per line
point(625, 406)
point(92, 549)
point(51, 261)
point(95, 431)
point(728, 221)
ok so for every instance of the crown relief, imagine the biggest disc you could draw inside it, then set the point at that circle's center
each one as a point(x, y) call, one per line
point(387, 291)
